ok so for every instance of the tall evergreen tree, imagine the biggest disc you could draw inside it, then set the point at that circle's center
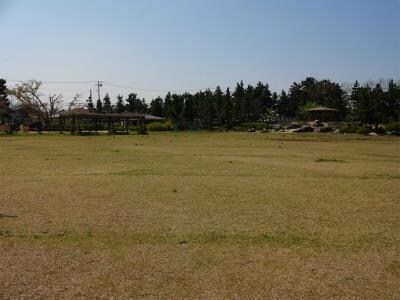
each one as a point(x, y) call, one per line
point(4, 101)
point(188, 110)
point(89, 103)
point(120, 107)
point(177, 107)
point(168, 107)
point(156, 107)
point(107, 104)
point(238, 96)
point(218, 102)
point(99, 106)
point(132, 103)
point(227, 109)
point(392, 102)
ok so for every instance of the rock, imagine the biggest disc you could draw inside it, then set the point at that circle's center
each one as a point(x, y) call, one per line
point(372, 134)
point(303, 129)
point(317, 123)
point(293, 125)
point(325, 129)
point(251, 130)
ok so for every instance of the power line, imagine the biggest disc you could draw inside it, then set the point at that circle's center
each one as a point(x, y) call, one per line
point(56, 82)
point(154, 90)
point(95, 82)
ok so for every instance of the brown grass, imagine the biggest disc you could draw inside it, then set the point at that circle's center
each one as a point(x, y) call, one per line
point(198, 215)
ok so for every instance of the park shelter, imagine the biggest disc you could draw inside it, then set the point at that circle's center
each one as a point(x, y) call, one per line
point(77, 117)
point(322, 113)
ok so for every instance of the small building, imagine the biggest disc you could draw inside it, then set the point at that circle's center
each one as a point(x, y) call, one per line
point(322, 113)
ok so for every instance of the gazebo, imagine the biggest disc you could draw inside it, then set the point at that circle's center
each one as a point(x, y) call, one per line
point(321, 113)
point(78, 115)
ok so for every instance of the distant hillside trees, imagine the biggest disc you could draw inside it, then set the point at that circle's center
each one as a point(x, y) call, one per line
point(4, 102)
point(375, 105)
point(207, 108)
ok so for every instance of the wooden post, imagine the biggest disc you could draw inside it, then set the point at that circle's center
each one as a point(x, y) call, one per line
point(60, 125)
point(95, 125)
point(79, 126)
point(127, 126)
point(109, 126)
point(73, 125)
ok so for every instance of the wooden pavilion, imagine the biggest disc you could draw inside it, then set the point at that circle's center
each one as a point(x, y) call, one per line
point(322, 113)
point(78, 115)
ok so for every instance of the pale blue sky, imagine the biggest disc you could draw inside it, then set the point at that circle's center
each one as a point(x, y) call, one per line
point(185, 45)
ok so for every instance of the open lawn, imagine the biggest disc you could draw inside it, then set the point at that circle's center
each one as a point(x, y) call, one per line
point(200, 215)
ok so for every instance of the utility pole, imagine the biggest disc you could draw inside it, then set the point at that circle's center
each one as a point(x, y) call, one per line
point(99, 85)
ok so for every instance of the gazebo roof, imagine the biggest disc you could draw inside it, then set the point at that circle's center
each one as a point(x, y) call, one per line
point(321, 109)
point(84, 113)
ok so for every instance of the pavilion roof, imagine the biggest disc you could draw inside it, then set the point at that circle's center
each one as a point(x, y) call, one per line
point(321, 109)
point(84, 113)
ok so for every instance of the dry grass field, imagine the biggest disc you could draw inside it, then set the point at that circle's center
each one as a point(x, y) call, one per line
point(200, 215)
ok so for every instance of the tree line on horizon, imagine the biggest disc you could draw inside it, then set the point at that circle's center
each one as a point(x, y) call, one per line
point(369, 105)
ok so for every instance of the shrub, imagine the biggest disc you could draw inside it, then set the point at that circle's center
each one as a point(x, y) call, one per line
point(394, 126)
point(363, 130)
point(250, 125)
point(349, 128)
point(379, 130)
point(159, 126)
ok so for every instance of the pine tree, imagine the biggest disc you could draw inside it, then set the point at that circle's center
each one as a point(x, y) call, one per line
point(107, 104)
point(218, 101)
point(392, 99)
point(238, 96)
point(156, 107)
point(120, 107)
point(89, 103)
point(99, 106)
point(188, 111)
point(227, 107)
point(4, 102)
point(133, 103)
point(168, 107)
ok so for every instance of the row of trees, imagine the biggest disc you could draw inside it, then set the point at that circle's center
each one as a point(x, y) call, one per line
point(367, 104)
point(4, 102)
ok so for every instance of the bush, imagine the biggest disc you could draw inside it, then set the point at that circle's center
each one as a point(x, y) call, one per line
point(250, 125)
point(363, 130)
point(394, 126)
point(349, 128)
point(379, 130)
point(159, 126)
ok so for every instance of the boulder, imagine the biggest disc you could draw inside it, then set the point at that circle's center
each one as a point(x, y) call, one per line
point(325, 129)
point(303, 129)
point(293, 125)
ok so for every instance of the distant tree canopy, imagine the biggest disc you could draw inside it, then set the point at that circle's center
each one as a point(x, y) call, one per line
point(258, 104)
point(375, 105)
point(4, 101)
point(370, 104)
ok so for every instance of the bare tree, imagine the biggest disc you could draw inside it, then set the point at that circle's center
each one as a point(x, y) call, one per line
point(75, 101)
point(28, 93)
